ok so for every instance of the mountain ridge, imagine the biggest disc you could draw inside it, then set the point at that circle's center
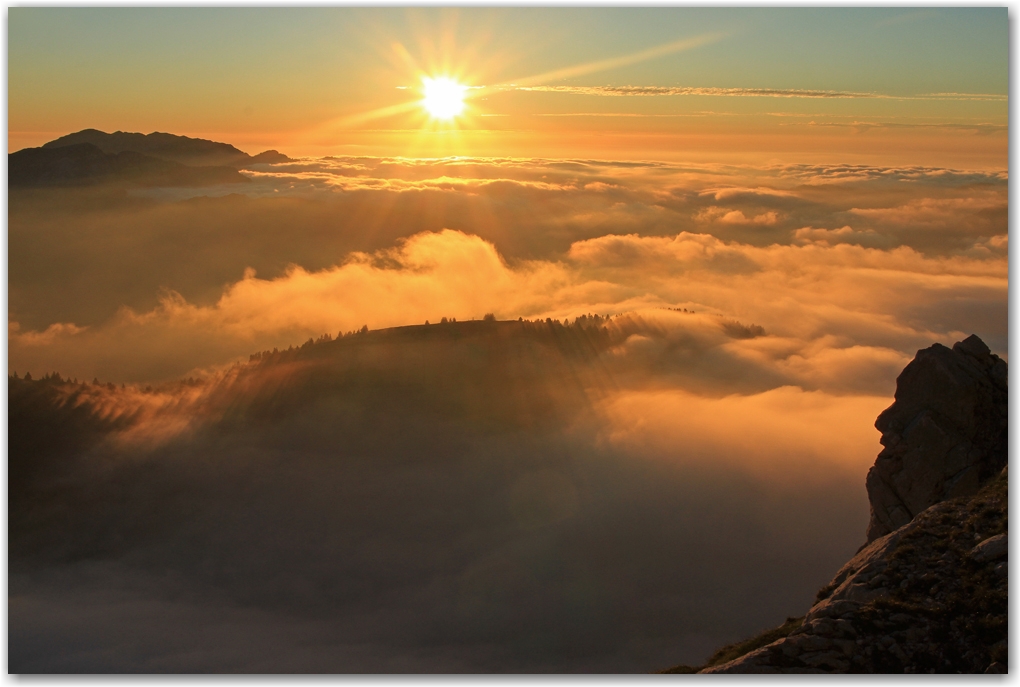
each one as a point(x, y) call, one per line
point(91, 157)
point(84, 164)
point(194, 152)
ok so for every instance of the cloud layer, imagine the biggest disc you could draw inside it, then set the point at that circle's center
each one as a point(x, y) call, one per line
point(831, 296)
point(145, 289)
point(621, 494)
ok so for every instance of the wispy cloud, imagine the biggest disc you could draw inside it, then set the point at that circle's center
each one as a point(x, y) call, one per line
point(979, 128)
point(623, 114)
point(620, 91)
point(1003, 97)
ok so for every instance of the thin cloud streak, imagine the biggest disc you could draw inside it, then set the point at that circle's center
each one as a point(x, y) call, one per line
point(965, 96)
point(619, 91)
point(982, 128)
point(619, 114)
point(653, 91)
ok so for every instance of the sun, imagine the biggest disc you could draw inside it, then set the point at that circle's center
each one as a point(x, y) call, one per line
point(444, 97)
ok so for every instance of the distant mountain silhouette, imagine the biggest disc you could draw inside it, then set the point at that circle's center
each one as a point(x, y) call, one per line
point(84, 164)
point(196, 152)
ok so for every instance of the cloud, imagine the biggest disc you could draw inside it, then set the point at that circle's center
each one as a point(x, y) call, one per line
point(646, 91)
point(983, 128)
point(930, 212)
point(146, 288)
point(726, 216)
point(55, 331)
point(776, 427)
point(997, 246)
point(845, 234)
point(966, 96)
point(744, 193)
point(618, 91)
point(822, 288)
point(841, 173)
point(493, 497)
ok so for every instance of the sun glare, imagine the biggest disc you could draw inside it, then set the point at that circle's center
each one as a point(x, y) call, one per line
point(444, 98)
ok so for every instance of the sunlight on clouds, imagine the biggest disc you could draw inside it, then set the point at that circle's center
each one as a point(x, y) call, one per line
point(862, 258)
point(785, 434)
point(826, 298)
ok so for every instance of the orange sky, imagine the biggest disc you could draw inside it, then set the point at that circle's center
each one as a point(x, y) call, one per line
point(883, 86)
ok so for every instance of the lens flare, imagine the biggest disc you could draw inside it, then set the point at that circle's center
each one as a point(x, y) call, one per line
point(444, 97)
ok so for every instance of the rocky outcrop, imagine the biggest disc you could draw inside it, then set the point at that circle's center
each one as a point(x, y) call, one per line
point(928, 593)
point(943, 436)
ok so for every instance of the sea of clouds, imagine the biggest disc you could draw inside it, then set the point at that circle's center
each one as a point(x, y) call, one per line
point(838, 262)
point(465, 507)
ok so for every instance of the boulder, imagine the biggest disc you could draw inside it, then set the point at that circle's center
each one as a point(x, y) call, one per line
point(945, 434)
point(991, 549)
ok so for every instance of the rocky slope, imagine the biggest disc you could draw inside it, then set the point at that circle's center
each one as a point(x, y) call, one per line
point(928, 593)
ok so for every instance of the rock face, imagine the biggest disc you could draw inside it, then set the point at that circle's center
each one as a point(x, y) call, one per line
point(945, 434)
point(928, 593)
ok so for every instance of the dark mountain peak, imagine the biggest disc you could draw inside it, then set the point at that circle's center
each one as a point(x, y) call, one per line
point(269, 157)
point(85, 164)
point(195, 152)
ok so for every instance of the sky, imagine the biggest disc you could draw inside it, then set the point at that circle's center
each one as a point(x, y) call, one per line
point(886, 85)
point(770, 210)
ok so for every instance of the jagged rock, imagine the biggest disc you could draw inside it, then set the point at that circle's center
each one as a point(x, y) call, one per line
point(919, 596)
point(945, 434)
